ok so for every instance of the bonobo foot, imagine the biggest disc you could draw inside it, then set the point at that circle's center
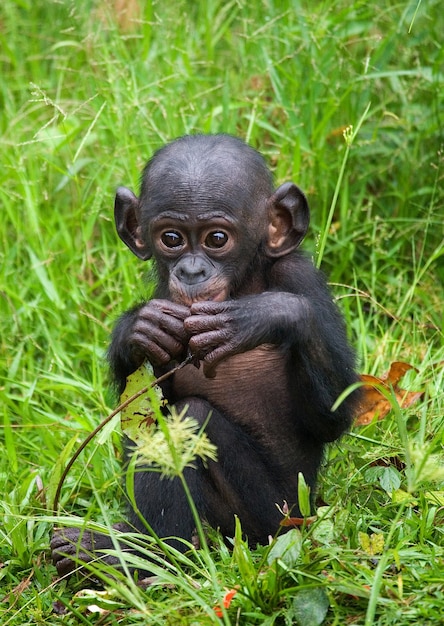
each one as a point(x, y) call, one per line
point(71, 545)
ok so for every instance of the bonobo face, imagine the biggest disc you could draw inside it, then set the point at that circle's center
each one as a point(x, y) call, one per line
point(203, 218)
point(208, 214)
point(198, 250)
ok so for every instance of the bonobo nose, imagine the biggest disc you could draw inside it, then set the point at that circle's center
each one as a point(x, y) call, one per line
point(192, 270)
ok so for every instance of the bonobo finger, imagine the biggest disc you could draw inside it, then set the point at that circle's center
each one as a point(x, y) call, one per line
point(204, 343)
point(214, 358)
point(209, 307)
point(158, 325)
point(157, 354)
point(174, 328)
point(156, 343)
point(204, 323)
point(178, 311)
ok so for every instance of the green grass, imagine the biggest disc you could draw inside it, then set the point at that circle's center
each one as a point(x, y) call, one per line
point(85, 98)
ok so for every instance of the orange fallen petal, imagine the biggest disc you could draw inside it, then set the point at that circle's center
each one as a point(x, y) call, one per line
point(226, 601)
point(228, 597)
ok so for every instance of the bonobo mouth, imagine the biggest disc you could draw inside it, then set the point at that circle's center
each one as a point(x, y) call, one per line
point(206, 297)
point(188, 299)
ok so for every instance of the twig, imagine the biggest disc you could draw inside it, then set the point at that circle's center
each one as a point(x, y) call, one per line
point(104, 422)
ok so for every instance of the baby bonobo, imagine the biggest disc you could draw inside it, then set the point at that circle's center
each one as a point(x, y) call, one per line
point(234, 291)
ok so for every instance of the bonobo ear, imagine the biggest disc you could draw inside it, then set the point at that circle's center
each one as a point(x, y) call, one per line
point(288, 219)
point(125, 216)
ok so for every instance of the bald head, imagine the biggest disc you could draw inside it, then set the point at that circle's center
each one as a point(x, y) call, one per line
point(198, 168)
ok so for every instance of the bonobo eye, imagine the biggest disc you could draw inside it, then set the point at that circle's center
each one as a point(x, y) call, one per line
point(172, 239)
point(216, 239)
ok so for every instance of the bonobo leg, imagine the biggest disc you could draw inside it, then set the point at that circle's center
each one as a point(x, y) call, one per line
point(243, 482)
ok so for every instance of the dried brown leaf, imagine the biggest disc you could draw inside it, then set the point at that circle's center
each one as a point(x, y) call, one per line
point(374, 404)
point(296, 522)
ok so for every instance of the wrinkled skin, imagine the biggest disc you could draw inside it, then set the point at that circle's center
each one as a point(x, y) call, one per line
point(235, 293)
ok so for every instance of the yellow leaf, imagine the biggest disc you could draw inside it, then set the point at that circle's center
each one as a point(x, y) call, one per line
point(373, 544)
point(139, 413)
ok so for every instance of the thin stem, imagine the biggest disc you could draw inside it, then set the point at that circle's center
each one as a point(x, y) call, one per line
point(349, 136)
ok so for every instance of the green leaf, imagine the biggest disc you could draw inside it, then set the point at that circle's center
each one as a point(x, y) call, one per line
point(388, 477)
point(310, 606)
point(303, 496)
point(286, 548)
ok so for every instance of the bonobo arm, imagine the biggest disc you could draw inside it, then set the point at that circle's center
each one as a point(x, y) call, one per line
point(324, 365)
point(305, 323)
point(220, 330)
point(154, 331)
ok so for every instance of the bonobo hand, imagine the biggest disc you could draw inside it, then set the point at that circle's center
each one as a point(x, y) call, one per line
point(221, 329)
point(158, 332)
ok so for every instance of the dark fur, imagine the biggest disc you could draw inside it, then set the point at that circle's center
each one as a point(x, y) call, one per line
point(278, 356)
